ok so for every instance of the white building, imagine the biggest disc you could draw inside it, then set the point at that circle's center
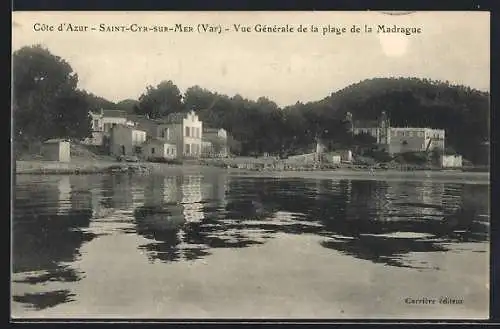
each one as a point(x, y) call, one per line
point(214, 143)
point(126, 140)
point(451, 161)
point(346, 156)
point(411, 139)
point(184, 130)
point(57, 150)
point(400, 139)
point(336, 158)
point(102, 122)
point(379, 129)
point(157, 149)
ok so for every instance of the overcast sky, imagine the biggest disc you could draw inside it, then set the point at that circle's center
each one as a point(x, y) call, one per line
point(287, 68)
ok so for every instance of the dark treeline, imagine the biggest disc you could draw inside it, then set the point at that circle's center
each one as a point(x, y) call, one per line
point(262, 126)
point(48, 104)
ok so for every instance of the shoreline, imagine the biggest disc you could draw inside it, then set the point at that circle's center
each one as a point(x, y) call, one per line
point(105, 167)
point(386, 175)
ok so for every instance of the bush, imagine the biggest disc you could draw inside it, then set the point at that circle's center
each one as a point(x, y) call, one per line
point(379, 156)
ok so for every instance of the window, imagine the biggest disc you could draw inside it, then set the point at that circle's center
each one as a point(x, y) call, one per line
point(168, 150)
point(187, 132)
point(152, 150)
point(187, 148)
point(138, 150)
point(96, 124)
point(198, 132)
point(165, 133)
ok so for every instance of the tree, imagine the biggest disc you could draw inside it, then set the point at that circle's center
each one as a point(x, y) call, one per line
point(128, 105)
point(46, 103)
point(73, 124)
point(197, 98)
point(262, 126)
point(233, 145)
point(161, 100)
point(461, 111)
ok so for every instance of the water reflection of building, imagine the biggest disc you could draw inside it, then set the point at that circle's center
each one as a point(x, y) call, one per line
point(419, 198)
point(366, 200)
point(429, 193)
point(122, 197)
point(137, 190)
point(161, 217)
point(452, 197)
point(64, 195)
point(215, 189)
point(83, 194)
point(386, 220)
point(185, 216)
point(192, 197)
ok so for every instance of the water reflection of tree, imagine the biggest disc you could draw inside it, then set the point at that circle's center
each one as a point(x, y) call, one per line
point(171, 212)
point(364, 219)
point(117, 191)
point(380, 220)
point(162, 218)
point(47, 235)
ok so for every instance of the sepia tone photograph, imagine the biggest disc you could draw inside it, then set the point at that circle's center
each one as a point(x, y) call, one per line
point(250, 165)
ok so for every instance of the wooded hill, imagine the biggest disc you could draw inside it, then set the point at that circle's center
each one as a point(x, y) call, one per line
point(48, 104)
point(464, 113)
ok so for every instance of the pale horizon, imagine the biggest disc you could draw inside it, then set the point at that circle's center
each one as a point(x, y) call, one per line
point(286, 68)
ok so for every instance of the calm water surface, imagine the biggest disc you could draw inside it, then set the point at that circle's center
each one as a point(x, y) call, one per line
point(213, 245)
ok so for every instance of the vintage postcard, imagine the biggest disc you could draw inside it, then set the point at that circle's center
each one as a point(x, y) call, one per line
point(251, 165)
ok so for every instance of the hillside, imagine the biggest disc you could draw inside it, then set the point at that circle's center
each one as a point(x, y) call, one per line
point(463, 112)
point(127, 105)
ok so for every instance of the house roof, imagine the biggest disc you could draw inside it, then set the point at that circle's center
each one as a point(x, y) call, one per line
point(210, 130)
point(143, 122)
point(55, 140)
point(176, 117)
point(139, 118)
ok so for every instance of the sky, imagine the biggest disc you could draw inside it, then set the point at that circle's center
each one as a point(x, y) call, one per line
point(285, 67)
